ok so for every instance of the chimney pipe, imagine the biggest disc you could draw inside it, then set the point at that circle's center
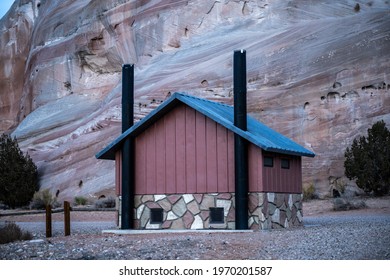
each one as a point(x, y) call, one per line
point(128, 147)
point(240, 144)
point(127, 96)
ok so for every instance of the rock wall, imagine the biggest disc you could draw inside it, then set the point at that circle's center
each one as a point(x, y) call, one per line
point(318, 72)
point(192, 211)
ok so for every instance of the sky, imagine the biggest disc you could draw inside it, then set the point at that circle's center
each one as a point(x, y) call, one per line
point(4, 6)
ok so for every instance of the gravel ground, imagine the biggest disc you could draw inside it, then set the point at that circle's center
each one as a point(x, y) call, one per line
point(356, 235)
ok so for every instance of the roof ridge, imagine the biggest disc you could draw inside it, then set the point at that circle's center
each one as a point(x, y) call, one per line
point(203, 99)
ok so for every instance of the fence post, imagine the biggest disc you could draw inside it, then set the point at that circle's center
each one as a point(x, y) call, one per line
point(48, 221)
point(67, 217)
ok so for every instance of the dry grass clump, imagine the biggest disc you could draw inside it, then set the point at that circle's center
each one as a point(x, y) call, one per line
point(11, 232)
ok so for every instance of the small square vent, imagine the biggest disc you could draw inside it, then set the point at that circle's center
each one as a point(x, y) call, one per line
point(217, 215)
point(156, 215)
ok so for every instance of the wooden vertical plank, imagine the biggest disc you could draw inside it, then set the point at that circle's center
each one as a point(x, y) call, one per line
point(67, 218)
point(201, 153)
point(140, 164)
point(150, 141)
point(222, 159)
point(48, 221)
point(170, 156)
point(252, 168)
point(160, 157)
point(231, 174)
point(211, 156)
point(190, 150)
point(180, 149)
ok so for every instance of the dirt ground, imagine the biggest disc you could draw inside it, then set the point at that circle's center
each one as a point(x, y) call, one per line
point(310, 208)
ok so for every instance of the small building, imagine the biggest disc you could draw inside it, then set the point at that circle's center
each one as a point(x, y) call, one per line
point(184, 171)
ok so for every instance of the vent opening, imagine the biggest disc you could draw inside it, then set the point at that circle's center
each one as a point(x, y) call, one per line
point(156, 215)
point(217, 215)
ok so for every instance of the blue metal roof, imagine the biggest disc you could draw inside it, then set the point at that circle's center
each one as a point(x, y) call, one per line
point(257, 133)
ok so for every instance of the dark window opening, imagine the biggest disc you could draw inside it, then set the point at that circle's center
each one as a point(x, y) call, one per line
point(156, 215)
point(268, 161)
point(217, 215)
point(285, 163)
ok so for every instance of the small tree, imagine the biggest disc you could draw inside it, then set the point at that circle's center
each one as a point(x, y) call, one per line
point(18, 174)
point(368, 160)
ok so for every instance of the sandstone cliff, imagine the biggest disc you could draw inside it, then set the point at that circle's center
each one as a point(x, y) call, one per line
point(318, 71)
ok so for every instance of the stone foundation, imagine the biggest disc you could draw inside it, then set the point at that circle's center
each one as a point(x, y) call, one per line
point(192, 211)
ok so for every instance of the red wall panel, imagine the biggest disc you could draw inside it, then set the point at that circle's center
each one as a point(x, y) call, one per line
point(186, 152)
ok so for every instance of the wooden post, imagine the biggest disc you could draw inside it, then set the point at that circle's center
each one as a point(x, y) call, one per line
point(67, 217)
point(48, 221)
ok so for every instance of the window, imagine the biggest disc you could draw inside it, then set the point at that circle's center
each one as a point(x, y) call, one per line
point(285, 163)
point(268, 161)
point(156, 215)
point(216, 215)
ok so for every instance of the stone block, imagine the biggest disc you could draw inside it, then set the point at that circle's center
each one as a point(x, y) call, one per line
point(188, 198)
point(179, 208)
point(261, 197)
point(279, 199)
point(276, 216)
point(139, 211)
point(225, 196)
point(137, 201)
point(173, 198)
point(146, 198)
point(145, 216)
point(197, 223)
point(226, 204)
point(193, 207)
point(271, 197)
point(205, 214)
point(165, 204)
point(271, 208)
point(166, 225)
point(158, 197)
point(253, 202)
point(198, 197)
point(231, 217)
point(207, 202)
point(152, 204)
point(188, 219)
point(177, 224)
point(171, 216)
point(290, 201)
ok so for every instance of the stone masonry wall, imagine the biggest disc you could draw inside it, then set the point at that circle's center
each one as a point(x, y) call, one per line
point(191, 211)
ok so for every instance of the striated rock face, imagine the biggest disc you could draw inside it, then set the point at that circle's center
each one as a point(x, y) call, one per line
point(318, 71)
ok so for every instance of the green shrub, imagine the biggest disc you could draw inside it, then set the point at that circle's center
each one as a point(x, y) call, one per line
point(368, 160)
point(309, 192)
point(80, 200)
point(42, 199)
point(18, 174)
point(11, 232)
point(107, 202)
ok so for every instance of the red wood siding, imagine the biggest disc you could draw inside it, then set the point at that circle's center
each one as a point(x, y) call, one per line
point(184, 152)
point(277, 179)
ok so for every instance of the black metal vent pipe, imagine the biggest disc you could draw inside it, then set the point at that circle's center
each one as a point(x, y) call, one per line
point(128, 147)
point(240, 144)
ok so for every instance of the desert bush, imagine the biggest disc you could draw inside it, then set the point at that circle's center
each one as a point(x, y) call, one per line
point(368, 160)
point(11, 232)
point(80, 200)
point(107, 202)
point(42, 199)
point(18, 174)
point(309, 192)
